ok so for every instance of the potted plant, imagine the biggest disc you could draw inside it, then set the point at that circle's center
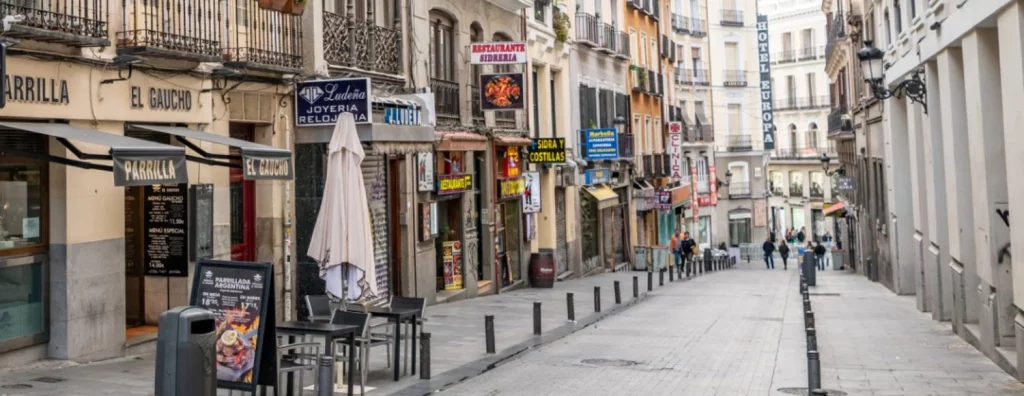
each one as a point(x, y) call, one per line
point(561, 26)
point(279, 5)
point(298, 6)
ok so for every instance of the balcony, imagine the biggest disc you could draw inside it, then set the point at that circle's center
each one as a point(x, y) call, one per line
point(640, 79)
point(608, 39)
point(777, 191)
point(836, 33)
point(700, 78)
point(836, 121)
point(622, 45)
point(478, 113)
point(802, 103)
point(732, 17)
point(784, 57)
point(684, 76)
point(680, 24)
point(362, 44)
point(512, 5)
point(588, 30)
point(698, 27)
point(446, 101)
point(164, 32)
point(264, 40)
point(77, 23)
point(797, 153)
point(735, 78)
point(739, 190)
point(740, 143)
point(626, 146)
point(796, 190)
point(811, 53)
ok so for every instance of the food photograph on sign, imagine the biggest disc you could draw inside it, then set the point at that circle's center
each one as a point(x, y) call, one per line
point(502, 91)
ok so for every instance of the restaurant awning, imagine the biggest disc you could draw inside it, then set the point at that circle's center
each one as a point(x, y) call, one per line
point(837, 209)
point(259, 162)
point(604, 195)
point(701, 117)
point(136, 162)
point(460, 141)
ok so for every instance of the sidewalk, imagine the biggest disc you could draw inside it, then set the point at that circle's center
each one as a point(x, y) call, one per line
point(873, 342)
point(457, 331)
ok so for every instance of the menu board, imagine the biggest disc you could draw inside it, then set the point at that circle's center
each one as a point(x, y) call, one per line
point(165, 225)
point(201, 221)
point(240, 296)
point(132, 258)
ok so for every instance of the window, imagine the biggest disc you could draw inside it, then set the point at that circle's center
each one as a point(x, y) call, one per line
point(643, 49)
point(792, 138)
point(658, 142)
point(812, 135)
point(807, 36)
point(648, 135)
point(735, 120)
point(554, 114)
point(913, 9)
point(731, 56)
point(739, 228)
point(787, 45)
point(536, 104)
point(899, 16)
point(22, 201)
point(810, 86)
point(242, 13)
point(442, 48)
point(888, 28)
point(791, 89)
point(540, 9)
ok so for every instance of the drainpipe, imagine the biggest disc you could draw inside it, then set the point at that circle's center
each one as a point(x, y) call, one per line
point(287, 228)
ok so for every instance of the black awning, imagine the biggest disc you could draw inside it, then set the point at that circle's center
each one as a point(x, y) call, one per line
point(136, 162)
point(259, 162)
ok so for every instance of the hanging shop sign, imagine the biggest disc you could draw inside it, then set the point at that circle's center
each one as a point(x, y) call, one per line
point(531, 193)
point(512, 163)
point(600, 144)
point(847, 183)
point(511, 188)
point(663, 200)
point(165, 230)
point(598, 176)
point(497, 53)
point(547, 151)
point(454, 184)
point(143, 171)
point(704, 200)
point(765, 69)
point(502, 91)
point(424, 172)
point(240, 296)
point(266, 168)
point(451, 254)
point(428, 221)
point(677, 164)
point(319, 102)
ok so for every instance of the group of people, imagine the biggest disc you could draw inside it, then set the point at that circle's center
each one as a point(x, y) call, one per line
point(684, 249)
point(820, 249)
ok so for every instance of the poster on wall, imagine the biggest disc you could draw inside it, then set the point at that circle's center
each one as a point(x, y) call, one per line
point(502, 91)
point(424, 172)
point(428, 221)
point(165, 230)
point(760, 213)
point(531, 192)
point(239, 294)
point(452, 260)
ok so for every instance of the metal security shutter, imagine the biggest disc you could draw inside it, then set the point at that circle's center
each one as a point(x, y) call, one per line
point(375, 177)
point(20, 141)
point(561, 245)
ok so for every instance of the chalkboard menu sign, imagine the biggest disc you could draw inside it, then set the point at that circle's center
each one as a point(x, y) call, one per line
point(165, 223)
point(201, 221)
point(240, 296)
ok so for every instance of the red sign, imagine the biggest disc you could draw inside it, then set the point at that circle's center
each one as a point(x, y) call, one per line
point(694, 203)
point(511, 163)
point(714, 186)
point(705, 200)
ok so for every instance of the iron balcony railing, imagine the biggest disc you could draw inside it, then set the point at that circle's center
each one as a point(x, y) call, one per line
point(700, 77)
point(796, 190)
point(640, 79)
point(740, 143)
point(588, 29)
point(835, 119)
point(739, 189)
point(802, 103)
point(836, 33)
point(446, 101)
point(353, 42)
point(608, 37)
point(806, 152)
point(478, 113)
point(626, 151)
point(777, 191)
point(732, 17)
point(680, 24)
point(264, 38)
point(684, 76)
point(811, 53)
point(78, 23)
point(735, 78)
point(622, 46)
point(179, 29)
point(698, 27)
point(783, 57)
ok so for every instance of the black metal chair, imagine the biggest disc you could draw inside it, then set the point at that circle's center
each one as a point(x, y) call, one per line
point(319, 308)
point(363, 342)
point(415, 303)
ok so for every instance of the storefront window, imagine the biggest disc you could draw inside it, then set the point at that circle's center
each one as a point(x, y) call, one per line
point(21, 302)
point(21, 205)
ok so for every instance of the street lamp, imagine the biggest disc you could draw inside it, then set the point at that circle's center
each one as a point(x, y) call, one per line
point(826, 162)
point(728, 175)
point(872, 68)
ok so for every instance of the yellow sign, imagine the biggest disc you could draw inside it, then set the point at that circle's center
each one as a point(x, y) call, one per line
point(511, 188)
point(452, 184)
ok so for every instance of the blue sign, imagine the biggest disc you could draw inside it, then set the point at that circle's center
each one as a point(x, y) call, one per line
point(598, 176)
point(408, 115)
point(318, 102)
point(600, 144)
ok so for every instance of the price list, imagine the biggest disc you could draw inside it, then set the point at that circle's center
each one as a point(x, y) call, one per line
point(166, 230)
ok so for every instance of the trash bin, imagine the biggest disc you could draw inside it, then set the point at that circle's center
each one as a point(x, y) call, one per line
point(641, 253)
point(542, 269)
point(185, 353)
point(809, 268)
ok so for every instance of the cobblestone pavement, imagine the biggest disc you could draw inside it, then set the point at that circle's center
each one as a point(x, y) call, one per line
point(740, 333)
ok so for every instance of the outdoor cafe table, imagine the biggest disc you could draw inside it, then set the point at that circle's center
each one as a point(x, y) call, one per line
point(398, 315)
point(330, 332)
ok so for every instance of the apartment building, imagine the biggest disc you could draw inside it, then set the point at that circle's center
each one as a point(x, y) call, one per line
point(736, 106)
point(800, 187)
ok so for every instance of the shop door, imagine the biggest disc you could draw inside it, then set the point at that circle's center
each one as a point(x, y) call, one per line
point(513, 241)
point(621, 235)
point(561, 245)
point(590, 232)
point(243, 202)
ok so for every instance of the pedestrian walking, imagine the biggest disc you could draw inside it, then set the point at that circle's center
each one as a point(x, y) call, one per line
point(784, 253)
point(828, 247)
point(677, 253)
point(769, 250)
point(801, 236)
point(819, 254)
point(684, 253)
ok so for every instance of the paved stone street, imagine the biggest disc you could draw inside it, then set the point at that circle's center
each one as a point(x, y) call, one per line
point(740, 333)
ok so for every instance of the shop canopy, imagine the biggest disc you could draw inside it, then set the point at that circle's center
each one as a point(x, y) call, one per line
point(837, 209)
point(136, 162)
point(259, 162)
point(604, 195)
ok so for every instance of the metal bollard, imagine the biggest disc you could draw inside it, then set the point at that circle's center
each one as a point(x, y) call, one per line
point(661, 278)
point(650, 281)
point(618, 296)
point(570, 306)
point(812, 339)
point(636, 288)
point(325, 375)
point(597, 299)
point(813, 370)
point(536, 318)
point(809, 318)
point(671, 275)
point(489, 333)
point(425, 356)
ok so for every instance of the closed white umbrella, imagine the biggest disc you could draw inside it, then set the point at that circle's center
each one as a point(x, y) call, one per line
point(342, 239)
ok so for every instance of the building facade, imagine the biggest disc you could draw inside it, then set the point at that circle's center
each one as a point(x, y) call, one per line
point(798, 184)
point(742, 212)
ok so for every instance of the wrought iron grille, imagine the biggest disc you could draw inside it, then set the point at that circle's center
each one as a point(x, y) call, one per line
point(735, 78)
point(587, 29)
point(478, 113)
point(77, 17)
point(446, 98)
point(186, 26)
point(785, 57)
point(608, 37)
point(680, 24)
point(684, 76)
point(796, 189)
point(700, 77)
point(264, 37)
point(354, 42)
point(810, 53)
point(622, 45)
point(732, 17)
point(739, 189)
point(698, 27)
point(740, 143)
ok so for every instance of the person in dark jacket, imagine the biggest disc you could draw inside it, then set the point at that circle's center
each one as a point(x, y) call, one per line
point(819, 254)
point(686, 250)
point(784, 252)
point(801, 236)
point(769, 249)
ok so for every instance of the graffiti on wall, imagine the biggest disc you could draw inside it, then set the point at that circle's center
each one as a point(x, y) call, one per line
point(1005, 251)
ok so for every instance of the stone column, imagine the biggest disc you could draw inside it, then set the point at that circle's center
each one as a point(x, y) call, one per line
point(897, 143)
point(938, 243)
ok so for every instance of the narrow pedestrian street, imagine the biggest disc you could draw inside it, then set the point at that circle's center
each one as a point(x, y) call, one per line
point(738, 332)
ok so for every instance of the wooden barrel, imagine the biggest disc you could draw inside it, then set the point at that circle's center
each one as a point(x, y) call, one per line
point(542, 269)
